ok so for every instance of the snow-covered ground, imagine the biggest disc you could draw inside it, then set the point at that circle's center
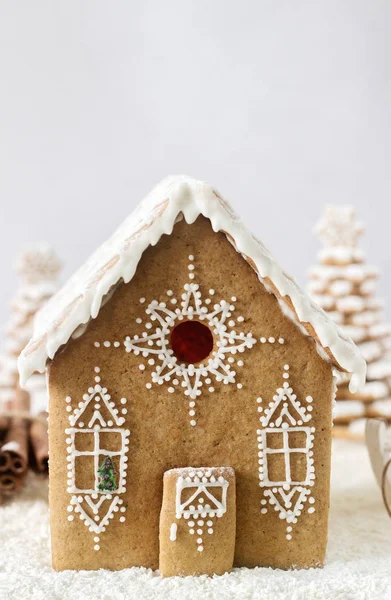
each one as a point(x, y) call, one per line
point(358, 562)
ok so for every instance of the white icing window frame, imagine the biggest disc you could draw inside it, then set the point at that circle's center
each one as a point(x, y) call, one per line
point(287, 451)
point(96, 452)
point(203, 482)
point(200, 487)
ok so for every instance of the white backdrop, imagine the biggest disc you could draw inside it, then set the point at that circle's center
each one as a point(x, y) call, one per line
point(283, 105)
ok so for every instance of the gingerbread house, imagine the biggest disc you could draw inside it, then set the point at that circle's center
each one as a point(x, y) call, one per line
point(191, 385)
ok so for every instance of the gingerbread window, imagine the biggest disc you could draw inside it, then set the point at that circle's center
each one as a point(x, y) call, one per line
point(285, 455)
point(89, 449)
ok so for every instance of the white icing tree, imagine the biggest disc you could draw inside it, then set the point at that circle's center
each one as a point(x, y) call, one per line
point(344, 285)
point(37, 267)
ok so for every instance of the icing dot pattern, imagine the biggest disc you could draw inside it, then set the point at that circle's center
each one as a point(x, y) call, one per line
point(208, 501)
point(94, 507)
point(284, 417)
point(154, 347)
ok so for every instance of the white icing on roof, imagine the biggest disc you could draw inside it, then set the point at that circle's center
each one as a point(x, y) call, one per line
point(117, 259)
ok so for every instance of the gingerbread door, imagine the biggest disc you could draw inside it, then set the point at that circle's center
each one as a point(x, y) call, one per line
point(197, 521)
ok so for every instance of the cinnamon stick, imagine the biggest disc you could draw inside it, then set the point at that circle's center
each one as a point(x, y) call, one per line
point(5, 462)
point(3, 424)
point(10, 483)
point(39, 443)
point(15, 444)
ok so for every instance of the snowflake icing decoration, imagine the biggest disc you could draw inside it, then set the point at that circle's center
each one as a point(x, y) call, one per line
point(154, 342)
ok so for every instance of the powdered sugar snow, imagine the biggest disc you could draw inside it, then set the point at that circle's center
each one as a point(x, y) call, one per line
point(358, 561)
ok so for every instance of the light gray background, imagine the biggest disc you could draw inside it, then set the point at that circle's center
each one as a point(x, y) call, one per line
point(283, 105)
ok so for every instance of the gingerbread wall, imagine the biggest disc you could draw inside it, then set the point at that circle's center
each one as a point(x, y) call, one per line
point(220, 427)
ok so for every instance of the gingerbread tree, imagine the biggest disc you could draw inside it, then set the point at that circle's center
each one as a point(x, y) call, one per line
point(344, 285)
point(37, 267)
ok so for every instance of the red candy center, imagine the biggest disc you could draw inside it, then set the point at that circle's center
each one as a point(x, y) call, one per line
point(191, 341)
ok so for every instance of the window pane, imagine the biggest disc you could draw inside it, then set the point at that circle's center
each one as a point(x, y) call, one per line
point(110, 440)
point(274, 440)
point(85, 473)
point(84, 442)
point(297, 439)
point(276, 467)
point(109, 475)
point(298, 462)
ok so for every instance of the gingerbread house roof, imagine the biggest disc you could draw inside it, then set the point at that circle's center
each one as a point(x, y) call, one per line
point(116, 260)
